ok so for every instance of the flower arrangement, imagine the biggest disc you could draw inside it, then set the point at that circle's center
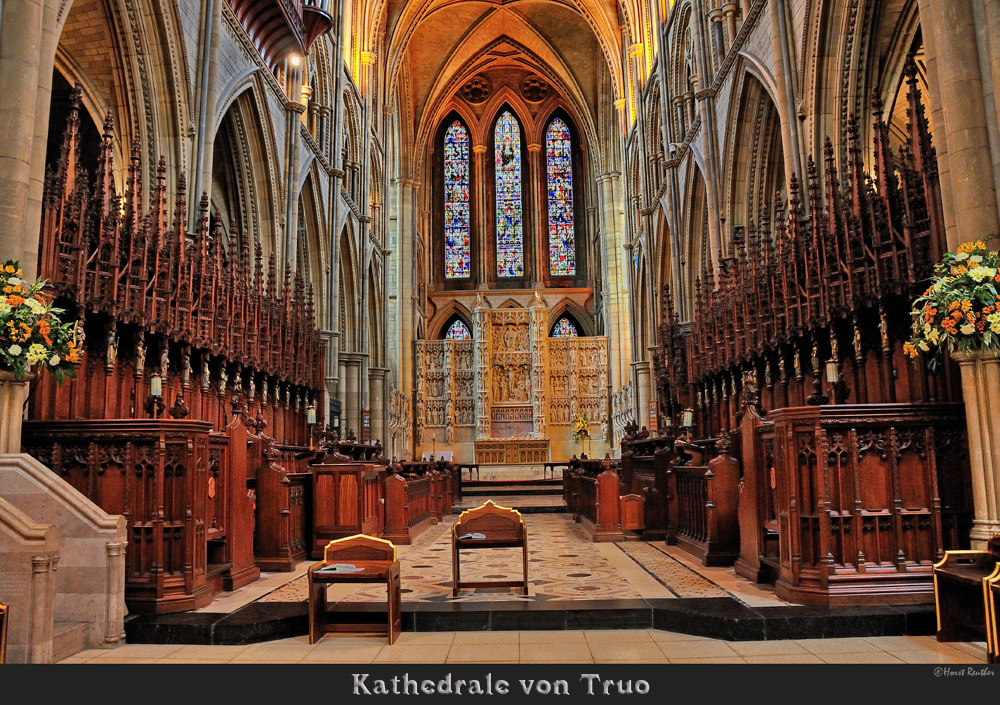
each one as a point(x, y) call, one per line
point(581, 427)
point(31, 332)
point(959, 309)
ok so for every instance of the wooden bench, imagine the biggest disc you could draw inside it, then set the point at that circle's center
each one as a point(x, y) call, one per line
point(377, 559)
point(503, 528)
point(961, 593)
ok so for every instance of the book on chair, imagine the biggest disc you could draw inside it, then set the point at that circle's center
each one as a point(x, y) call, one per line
point(340, 568)
point(473, 535)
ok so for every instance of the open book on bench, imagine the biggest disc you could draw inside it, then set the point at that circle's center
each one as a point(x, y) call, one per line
point(340, 568)
point(473, 535)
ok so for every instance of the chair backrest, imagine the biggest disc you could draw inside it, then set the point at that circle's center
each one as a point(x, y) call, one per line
point(993, 547)
point(494, 521)
point(359, 547)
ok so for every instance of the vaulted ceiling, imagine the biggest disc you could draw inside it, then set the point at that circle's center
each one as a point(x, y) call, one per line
point(442, 45)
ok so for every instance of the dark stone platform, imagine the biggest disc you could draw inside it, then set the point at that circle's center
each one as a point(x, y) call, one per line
point(717, 617)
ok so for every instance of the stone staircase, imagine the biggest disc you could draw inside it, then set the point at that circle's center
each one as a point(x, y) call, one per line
point(520, 487)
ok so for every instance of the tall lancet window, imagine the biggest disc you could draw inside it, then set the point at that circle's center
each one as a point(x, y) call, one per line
point(562, 243)
point(456, 202)
point(510, 230)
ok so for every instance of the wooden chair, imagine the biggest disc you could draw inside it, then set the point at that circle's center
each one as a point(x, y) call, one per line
point(962, 593)
point(3, 633)
point(992, 588)
point(503, 528)
point(377, 559)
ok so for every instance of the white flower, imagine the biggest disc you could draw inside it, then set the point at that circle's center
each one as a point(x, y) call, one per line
point(923, 346)
point(54, 360)
point(961, 256)
point(35, 305)
point(968, 329)
point(14, 280)
point(976, 258)
point(4, 309)
point(14, 349)
point(980, 273)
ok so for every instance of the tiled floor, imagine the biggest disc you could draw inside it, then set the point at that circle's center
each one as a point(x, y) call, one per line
point(605, 646)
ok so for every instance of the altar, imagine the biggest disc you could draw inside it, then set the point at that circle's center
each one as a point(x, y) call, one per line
point(509, 395)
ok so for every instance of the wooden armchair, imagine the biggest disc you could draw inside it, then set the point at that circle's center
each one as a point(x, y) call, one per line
point(501, 527)
point(962, 594)
point(4, 618)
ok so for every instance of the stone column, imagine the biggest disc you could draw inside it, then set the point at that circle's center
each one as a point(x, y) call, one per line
point(406, 276)
point(536, 171)
point(376, 403)
point(981, 393)
point(729, 10)
point(12, 396)
point(616, 314)
point(967, 179)
point(21, 70)
point(642, 392)
point(352, 393)
point(481, 221)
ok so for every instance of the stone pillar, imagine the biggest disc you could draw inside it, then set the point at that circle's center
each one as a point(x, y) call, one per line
point(616, 314)
point(352, 393)
point(729, 10)
point(376, 403)
point(538, 340)
point(537, 175)
point(12, 396)
point(21, 71)
point(981, 393)
point(967, 179)
point(481, 221)
point(406, 277)
point(643, 381)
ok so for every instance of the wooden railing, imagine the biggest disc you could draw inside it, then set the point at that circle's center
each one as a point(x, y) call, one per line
point(703, 504)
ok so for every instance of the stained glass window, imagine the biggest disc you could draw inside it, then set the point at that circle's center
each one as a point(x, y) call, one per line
point(510, 233)
point(562, 245)
point(458, 331)
point(564, 328)
point(456, 202)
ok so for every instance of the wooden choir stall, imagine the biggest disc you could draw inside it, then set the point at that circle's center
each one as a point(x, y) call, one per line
point(849, 473)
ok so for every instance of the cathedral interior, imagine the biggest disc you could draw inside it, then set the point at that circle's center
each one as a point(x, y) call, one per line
point(363, 270)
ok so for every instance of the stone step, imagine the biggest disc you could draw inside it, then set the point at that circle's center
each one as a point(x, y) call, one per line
point(511, 489)
point(68, 639)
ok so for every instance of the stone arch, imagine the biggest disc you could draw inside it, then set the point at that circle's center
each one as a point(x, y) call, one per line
point(245, 189)
point(443, 317)
point(577, 313)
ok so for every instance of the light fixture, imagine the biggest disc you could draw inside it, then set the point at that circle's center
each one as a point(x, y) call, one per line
point(311, 414)
point(295, 60)
point(687, 418)
point(156, 385)
point(832, 371)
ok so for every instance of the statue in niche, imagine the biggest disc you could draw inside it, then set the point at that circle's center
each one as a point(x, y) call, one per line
point(140, 355)
point(253, 386)
point(206, 375)
point(112, 347)
point(164, 359)
point(448, 431)
point(223, 379)
point(510, 338)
